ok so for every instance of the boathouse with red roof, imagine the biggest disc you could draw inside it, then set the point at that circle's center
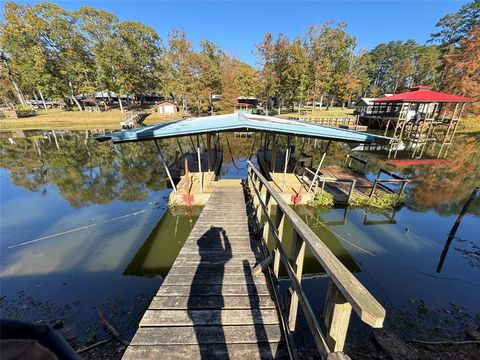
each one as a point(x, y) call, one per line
point(418, 116)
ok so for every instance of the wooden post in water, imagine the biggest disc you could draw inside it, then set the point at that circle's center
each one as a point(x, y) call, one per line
point(455, 226)
point(350, 193)
point(337, 317)
point(279, 225)
point(298, 255)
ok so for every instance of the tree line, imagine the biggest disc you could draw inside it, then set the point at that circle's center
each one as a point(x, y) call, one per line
point(49, 52)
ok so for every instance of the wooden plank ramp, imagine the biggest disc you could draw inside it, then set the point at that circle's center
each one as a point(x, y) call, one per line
point(210, 306)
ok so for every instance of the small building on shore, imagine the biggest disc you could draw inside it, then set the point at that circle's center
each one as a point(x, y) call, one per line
point(249, 101)
point(167, 108)
point(363, 106)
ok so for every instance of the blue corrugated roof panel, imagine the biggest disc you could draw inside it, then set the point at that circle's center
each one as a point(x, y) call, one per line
point(239, 122)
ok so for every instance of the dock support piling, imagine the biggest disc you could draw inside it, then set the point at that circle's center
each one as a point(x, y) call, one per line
point(298, 255)
point(279, 224)
point(337, 317)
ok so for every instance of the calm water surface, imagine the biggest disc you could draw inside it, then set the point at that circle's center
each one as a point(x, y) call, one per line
point(85, 227)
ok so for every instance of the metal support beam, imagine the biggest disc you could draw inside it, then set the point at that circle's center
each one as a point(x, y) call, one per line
point(200, 169)
point(165, 165)
point(274, 155)
point(179, 146)
point(287, 157)
point(316, 172)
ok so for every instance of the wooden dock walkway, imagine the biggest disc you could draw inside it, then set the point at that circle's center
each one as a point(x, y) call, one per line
point(210, 305)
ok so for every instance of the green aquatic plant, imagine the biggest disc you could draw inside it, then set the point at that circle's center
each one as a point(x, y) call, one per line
point(381, 201)
point(321, 198)
point(172, 203)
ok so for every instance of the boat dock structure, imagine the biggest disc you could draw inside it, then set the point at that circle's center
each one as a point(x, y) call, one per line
point(210, 304)
point(197, 163)
point(222, 297)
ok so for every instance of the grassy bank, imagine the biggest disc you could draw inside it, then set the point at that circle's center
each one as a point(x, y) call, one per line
point(470, 125)
point(57, 119)
point(332, 112)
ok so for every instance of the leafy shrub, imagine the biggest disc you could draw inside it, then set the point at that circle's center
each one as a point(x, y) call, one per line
point(22, 108)
point(321, 198)
point(172, 203)
point(381, 201)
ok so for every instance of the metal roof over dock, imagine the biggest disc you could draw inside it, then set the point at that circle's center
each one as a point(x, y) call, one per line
point(239, 122)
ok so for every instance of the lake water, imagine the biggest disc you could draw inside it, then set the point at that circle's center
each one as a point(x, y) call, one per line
point(85, 228)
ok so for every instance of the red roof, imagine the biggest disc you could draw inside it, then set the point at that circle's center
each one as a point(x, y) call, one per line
point(410, 162)
point(423, 93)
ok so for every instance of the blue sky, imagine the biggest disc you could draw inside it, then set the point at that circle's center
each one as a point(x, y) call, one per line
point(237, 26)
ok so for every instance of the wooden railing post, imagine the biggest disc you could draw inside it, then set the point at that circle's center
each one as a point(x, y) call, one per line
point(262, 192)
point(350, 193)
point(260, 199)
point(266, 225)
point(279, 225)
point(373, 188)
point(336, 315)
point(342, 284)
point(298, 255)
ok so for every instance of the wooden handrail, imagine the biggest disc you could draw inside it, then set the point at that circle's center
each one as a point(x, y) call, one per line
point(395, 176)
point(353, 157)
point(345, 292)
point(350, 157)
point(397, 179)
point(329, 179)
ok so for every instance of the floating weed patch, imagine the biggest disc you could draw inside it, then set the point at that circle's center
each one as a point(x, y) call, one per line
point(321, 198)
point(381, 201)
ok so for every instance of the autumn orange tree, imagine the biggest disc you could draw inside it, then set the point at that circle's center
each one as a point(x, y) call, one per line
point(462, 69)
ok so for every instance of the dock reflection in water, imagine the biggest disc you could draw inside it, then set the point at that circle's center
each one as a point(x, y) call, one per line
point(158, 253)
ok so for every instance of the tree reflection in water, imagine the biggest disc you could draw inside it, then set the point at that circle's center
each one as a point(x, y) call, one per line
point(85, 172)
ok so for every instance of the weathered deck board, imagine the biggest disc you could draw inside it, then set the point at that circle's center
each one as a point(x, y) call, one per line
point(208, 317)
point(213, 290)
point(210, 306)
point(212, 302)
point(211, 279)
point(187, 335)
point(262, 350)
